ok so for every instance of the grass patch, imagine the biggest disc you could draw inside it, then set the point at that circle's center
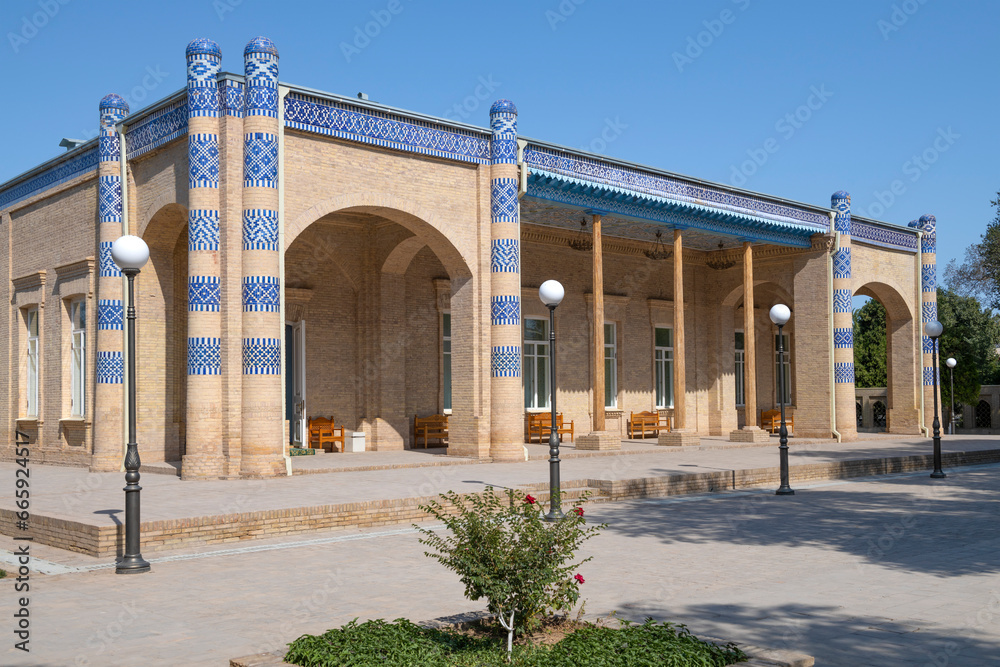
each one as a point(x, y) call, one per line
point(400, 643)
point(3, 574)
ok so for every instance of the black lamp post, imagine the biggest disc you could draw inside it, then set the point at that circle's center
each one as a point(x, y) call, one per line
point(551, 293)
point(130, 253)
point(951, 363)
point(780, 314)
point(934, 330)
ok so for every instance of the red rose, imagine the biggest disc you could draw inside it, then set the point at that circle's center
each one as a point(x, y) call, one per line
point(578, 578)
point(529, 499)
point(579, 511)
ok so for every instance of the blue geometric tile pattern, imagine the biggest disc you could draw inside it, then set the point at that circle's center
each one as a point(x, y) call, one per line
point(367, 126)
point(202, 68)
point(843, 337)
point(203, 161)
point(505, 257)
point(841, 202)
point(109, 368)
point(634, 180)
point(505, 310)
point(929, 309)
point(109, 147)
point(880, 236)
point(260, 160)
point(55, 175)
point(261, 76)
point(503, 125)
point(110, 199)
point(109, 314)
point(929, 376)
point(842, 263)
point(108, 267)
point(928, 223)
point(204, 356)
point(113, 110)
point(928, 243)
point(203, 101)
point(231, 95)
point(503, 200)
point(260, 229)
point(505, 362)
point(843, 373)
point(261, 356)
point(928, 275)
point(158, 129)
point(842, 301)
point(204, 294)
point(204, 60)
point(261, 294)
point(203, 229)
point(928, 345)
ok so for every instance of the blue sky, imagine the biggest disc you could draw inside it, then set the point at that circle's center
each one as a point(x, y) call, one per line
point(894, 101)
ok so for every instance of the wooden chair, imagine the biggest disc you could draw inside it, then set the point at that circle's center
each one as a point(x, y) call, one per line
point(642, 423)
point(665, 423)
point(324, 434)
point(540, 424)
point(434, 427)
point(770, 420)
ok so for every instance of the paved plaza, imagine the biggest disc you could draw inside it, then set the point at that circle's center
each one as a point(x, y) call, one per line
point(898, 570)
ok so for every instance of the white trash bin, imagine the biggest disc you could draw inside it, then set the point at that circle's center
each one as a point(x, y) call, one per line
point(356, 441)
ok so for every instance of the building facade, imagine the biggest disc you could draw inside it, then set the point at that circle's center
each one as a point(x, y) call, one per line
point(318, 255)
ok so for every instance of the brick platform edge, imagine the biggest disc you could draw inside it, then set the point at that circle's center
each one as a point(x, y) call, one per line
point(106, 541)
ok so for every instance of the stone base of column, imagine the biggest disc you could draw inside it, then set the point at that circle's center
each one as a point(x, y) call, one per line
point(904, 421)
point(253, 467)
point(107, 463)
point(506, 452)
point(683, 438)
point(194, 466)
point(754, 434)
point(599, 440)
point(849, 435)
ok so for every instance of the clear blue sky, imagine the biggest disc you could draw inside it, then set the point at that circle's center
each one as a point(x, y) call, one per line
point(693, 87)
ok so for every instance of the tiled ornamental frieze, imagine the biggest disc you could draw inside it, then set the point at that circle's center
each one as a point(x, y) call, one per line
point(108, 440)
point(843, 318)
point(203, 423)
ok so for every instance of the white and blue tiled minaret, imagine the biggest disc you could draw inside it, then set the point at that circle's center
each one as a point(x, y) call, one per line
point(928, 307)
point(203, 449)
point(108, 438)
point(843, 320)
point(506, 388)
point(263, 435)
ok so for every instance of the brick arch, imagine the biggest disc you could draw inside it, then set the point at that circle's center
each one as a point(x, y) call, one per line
point(424, 223)
point(894, 303)
point(735, 297)
point(154, 210)
point(399, 259)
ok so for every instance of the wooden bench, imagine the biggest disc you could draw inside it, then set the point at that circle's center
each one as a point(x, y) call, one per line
point(642, 423)
point(434, 427)
point(540, 423)
point(324, 434)
point(770, 420)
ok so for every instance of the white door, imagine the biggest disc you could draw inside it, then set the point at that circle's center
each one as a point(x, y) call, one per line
point(298, 370)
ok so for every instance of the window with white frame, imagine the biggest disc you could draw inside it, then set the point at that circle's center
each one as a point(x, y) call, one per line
point(31, 400)
point(536, 363)
point(663, 360)
point(610, 365)
point(446, 359)
point(783, 369)
point(741, 396)
point(78, 356)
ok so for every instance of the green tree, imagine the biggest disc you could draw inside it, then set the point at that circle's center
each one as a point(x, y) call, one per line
point(869, 346)
point(979, 275)
point(971, 334)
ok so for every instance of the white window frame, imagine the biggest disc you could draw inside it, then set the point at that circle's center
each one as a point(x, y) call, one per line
point(663, 370)
point(78, 357)
point(31, 388)
point(611, 369)
point(535, 350)
point(787, 367)
point(741, 365)
point(446, 359)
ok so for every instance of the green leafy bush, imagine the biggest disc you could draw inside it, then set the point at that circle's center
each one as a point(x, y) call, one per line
point(503, 550)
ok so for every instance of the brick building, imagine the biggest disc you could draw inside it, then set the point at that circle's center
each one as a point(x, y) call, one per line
point(312, 254)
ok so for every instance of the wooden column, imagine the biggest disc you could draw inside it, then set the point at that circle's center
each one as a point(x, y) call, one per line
point(680, 435)
point(750, 431)
point(598, 438)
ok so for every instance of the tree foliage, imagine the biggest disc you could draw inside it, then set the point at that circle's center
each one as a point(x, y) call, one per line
point(979, 275)
point(869, 346)
point(971, 334)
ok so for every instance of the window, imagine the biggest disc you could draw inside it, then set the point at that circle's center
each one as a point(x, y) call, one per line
point(784, 370)
point(610, 366)
point(663, 360)
point(31, 402)
point(446, 358)
point(741, 396)
point(536, 363)
point(78, 324)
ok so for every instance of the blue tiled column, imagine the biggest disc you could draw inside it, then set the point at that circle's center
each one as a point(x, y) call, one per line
point(107, 454)
point(928, 309)
point(203, 441)
point(843, 320)
point(506, 387)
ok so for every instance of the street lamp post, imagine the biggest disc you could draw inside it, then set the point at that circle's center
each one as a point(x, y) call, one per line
point(780, 314)
point(934, 330)
point(551, 293)
point(951, 371)
point(130, 254)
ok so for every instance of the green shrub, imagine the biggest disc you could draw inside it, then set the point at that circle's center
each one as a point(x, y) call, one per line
point(503, 550)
